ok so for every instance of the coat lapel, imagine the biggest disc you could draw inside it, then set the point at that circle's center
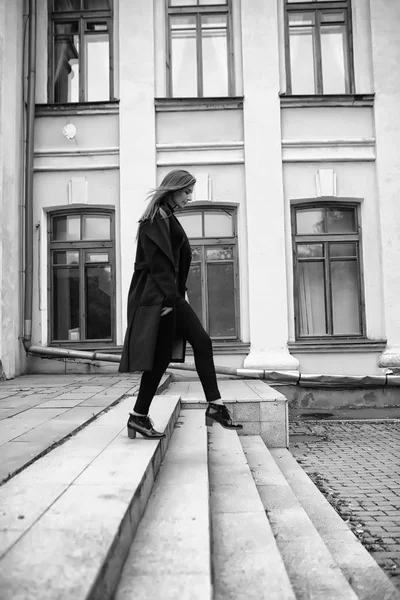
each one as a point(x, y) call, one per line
point(158, 232)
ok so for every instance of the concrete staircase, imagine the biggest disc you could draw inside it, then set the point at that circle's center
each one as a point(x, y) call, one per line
point(203, 513)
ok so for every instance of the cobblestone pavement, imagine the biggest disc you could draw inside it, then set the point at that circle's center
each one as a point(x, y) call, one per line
point(357, 467)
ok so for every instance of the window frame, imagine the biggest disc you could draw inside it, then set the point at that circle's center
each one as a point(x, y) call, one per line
point(82, 17)
point(83, 247)
point(318, 7)
point(215, 9)
point(326, 239)
point(208, 242)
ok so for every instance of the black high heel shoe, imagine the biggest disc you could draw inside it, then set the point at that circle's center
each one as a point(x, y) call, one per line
point(220, 414)
point(144, 426)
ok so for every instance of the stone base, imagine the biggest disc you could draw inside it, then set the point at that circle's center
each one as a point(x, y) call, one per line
point(278, 359)
point(390, 359)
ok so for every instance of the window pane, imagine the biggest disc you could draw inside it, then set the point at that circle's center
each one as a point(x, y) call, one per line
point(345, 300)
point(66, 62)
point(67, 5)
point(341, 221)
point(96, 257)
point(182, 2)
point(97, 53)
point(212, 2)
point(301, 42)
point(311, 299)
point(310, 221)
point(333, 40)
point(65, 258)
point(96, 4)
point(310, 250)
point(96, 228)
point(184, 56)
point(222, 253)
point(332, 17)
point(218, 224)
point(66, 229)
point(194, 288)
point(196, 253)
point(221, 300)
point(215, 55)
point(343, 249)
point(66, 304)
point(192, 224)
point(98, 302)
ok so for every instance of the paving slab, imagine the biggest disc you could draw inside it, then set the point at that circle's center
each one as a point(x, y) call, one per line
point(40, 411)
point(79, 523)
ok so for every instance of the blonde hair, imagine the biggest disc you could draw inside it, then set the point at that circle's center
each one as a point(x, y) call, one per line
point(174, 181)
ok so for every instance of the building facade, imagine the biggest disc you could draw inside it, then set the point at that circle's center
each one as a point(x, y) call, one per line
point(286, 111)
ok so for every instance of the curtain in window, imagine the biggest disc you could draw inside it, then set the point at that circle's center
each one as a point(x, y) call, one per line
point(312, 299)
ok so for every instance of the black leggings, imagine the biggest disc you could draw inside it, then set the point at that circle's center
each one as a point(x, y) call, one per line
point(190, 328)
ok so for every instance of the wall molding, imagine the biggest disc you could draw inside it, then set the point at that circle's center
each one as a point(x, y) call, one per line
point(193, 147)
point(62, 152)
point(203, 153)
point(72, 168)
point(329, 150)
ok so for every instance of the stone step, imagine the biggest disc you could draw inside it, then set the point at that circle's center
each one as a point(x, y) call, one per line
point(260, 408)
point(170, 555)
point(310, 566)
point(366, 577)
point(246, 560)
point(68, 520)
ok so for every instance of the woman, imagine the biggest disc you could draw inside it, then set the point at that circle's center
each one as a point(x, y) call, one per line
point(160, 320)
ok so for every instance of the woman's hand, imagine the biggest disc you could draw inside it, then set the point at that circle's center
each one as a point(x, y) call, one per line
point(165, 310)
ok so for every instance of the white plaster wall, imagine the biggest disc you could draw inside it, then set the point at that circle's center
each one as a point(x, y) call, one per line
point(11, 27)
point(385, 20)
point(354, 180)
point(328, 123)
point(339, 363)
point(58, 160)
point(137, 129)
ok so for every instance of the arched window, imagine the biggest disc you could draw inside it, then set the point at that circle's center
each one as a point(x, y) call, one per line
point(82, 266)
point(213, 280)
point(327, 271)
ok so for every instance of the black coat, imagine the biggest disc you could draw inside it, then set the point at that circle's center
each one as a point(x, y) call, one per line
point(158, 280)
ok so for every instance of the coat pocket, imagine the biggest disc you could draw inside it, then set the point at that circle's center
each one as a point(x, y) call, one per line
point(151, 294)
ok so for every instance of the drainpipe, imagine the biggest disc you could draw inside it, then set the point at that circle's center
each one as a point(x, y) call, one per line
point(291, 378)
point(30, 123)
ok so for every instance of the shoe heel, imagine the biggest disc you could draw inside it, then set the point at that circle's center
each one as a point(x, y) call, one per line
point(209, 421)
point(131, 433)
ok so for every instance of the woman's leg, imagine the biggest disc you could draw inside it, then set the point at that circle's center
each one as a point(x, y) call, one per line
point(150, 379)
point(190, 328)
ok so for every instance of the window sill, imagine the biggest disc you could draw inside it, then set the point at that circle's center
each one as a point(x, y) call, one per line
point(311, 101)
point(107, 347)
point(348, 345)
point(78, 108)
point(233, 347)
point(185, 104)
